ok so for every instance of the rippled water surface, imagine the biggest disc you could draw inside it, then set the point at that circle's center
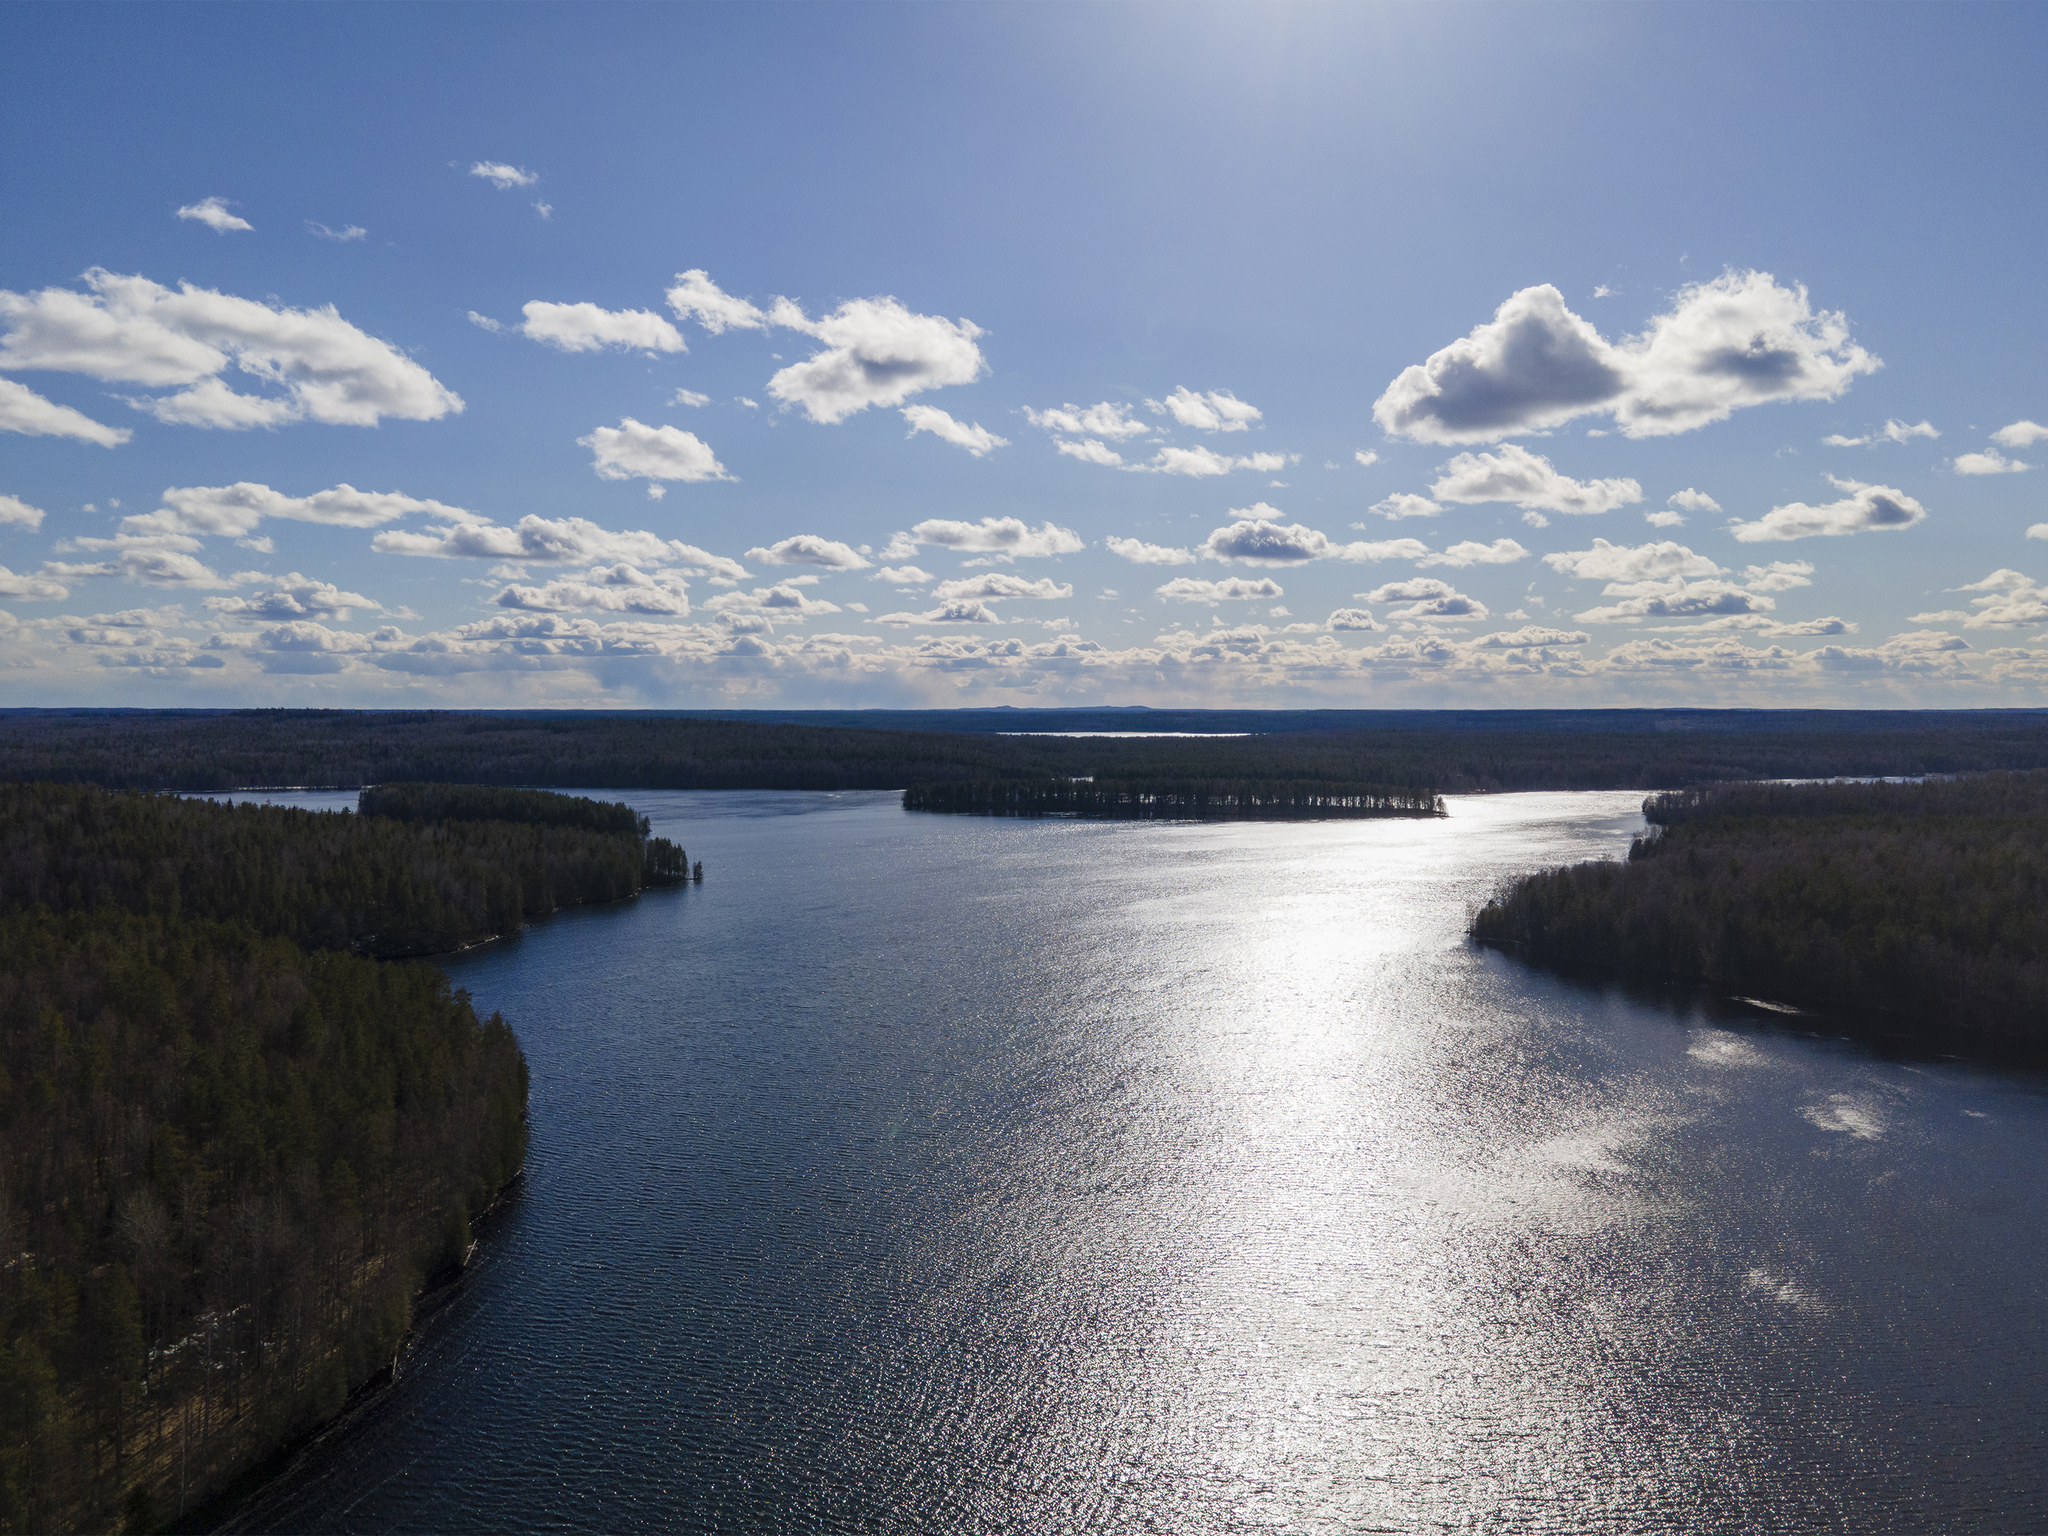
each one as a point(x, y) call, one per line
point(922, 1173)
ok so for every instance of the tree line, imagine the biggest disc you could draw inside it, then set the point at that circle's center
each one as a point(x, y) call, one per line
point(1281, 800)
point(1410, 751)
point(1922, 907)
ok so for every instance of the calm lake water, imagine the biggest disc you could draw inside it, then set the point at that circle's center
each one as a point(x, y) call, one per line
point(935, 1174)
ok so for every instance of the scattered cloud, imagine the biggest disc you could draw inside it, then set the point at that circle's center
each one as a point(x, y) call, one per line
point(1103, 419)
point(1366, 456)
point(1624, 563)
point(904, 575)
point(1867, 508)
point(786, 601)
point(689, 397)
point(502, 176)
point(1200, 462)
point(1259, 538)
point(633, 450)
point(1778, 576)
point(346, 234)
point(544, 209)
point(213, 213)
point(809, 549)
point(2010, 599)
point(695, 296)
point(1893, 431)
point(1189, 589)
point(1472, 552)
point(1989, 462)
point(876, 353)
point(1090, 451)
point(31, 588)
point(977, 439)
point(996, 585)
point(1690, 500)
point(1354, 619)
point(1427, 597)
point(1665, 519)
point(16, 513)
point(23, 410)
point(294, 597)
point(541, 541)
point(1141, 553)
point(615, 589)
point(1217, 411)
point(133, 331)
point(589, 328)
point(992, 535)
point(1406, 504)
point(1513, 474)
point(2021, 434)
point(1681, 600)
point(1742, 339)
point(962, 612)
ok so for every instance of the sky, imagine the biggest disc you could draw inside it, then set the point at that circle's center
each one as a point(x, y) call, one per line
point(891, 356)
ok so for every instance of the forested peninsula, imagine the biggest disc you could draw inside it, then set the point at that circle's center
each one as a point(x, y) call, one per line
point(234, 1143)
point(1916, 909)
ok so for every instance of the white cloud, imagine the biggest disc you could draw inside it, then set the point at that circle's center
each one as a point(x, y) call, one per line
point(618, 589)
point(992, 535)
point(695, 295)
point(16, 513)
point(1624, 563)
point(1189, 589)
point(946, 613)
point(1778, 576)
point(2021, 434)
point(31, 588)
point(1989, 462)
point(1678, 599)
point(1740, 340)
point(1366, 457)
point(485, 322)
point(786, 601)
point(1217, 411)
point(633, 450)
point(294, 597)
point(1427, 598)
point(1530, 637)
point(1141, 553)
point(544, 209)
point(540, 541)
point(876, 353)
point(689, 397)
point(1200, 462)
point(1406, 504)
point(1356, 619)
point(810, 549)
point(233, 511)
point(1665, 519)
point(1103, 419)
point(1384, 549)
point(1472, 552)
point(1690, 500)
point(1513, 474)
point(2010, 599)
point(997, 585)
point(588, 328)
point(1256, 539)
point(976, 439)
point(23, 410)
point(904, 576)
point(1867, 508)
point(1893, 431)
point(213, 213)
point(346, 234)
point(1089, 451)
point(502, 176)
point(134, 331)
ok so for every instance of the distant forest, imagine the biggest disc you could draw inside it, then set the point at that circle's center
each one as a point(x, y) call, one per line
point(1406, 751)
point(1922, 908)
point(232, 1146)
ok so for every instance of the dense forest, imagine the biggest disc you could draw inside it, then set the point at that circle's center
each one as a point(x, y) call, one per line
point(1921, 908)
point(1402, 750)
point(1270, 800)
point(232, 1145)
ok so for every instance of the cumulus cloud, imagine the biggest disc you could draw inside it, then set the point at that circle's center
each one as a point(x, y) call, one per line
point(1103, 419)
point(589, 328)
point(1189, 589)
point(1626, 563)
point(1690, 500)
point(997, 585)
point(234, 511)
point(633, 450)
point(2010, 599)
point(695, 296)
point(1681, 600)
point(1472, 552)
point(1366, 456)
point(1893, 431)
point(1141, 553)
point(1256, 539)
point(133, 331)
point(1665, 519)
point(1989, 462)
point(502, 176)
point(1778, 576)
point(2021, 434)
point(23, 410)
point(1406, 504)
point(294, 597)
point(1531, 637)
point(1867, 508)
point(961, 612)
point(1742, 339)
point(16, 513)
point(689, 397)
point(1200, 462)
point(810, 549)
point(213, 213)
point(904, 575)
point(786, 600)
point(1217, 411)
point(1427, 598)
point(1513, 474)
point(976, 439)
point(29, 587)
point(877, 352)
point(541, 541)
point(1354, 619)
point(345, 235)
point(1090, 451)
point(614, 589)
point(1003, 536)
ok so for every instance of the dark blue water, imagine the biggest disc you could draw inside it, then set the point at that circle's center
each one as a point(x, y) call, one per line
point(942, 1174)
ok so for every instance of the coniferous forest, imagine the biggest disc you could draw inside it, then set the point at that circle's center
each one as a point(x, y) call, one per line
point(1922, 907)
point(233, 1144)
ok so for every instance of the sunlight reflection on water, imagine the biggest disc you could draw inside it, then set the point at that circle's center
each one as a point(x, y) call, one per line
point(941, 1174)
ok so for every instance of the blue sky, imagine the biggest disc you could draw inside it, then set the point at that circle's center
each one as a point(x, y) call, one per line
point(876, 355)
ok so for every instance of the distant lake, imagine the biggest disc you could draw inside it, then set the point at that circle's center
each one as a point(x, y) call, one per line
point(933, 1174)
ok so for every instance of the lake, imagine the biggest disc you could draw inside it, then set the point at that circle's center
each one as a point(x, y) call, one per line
point(933, 1174)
